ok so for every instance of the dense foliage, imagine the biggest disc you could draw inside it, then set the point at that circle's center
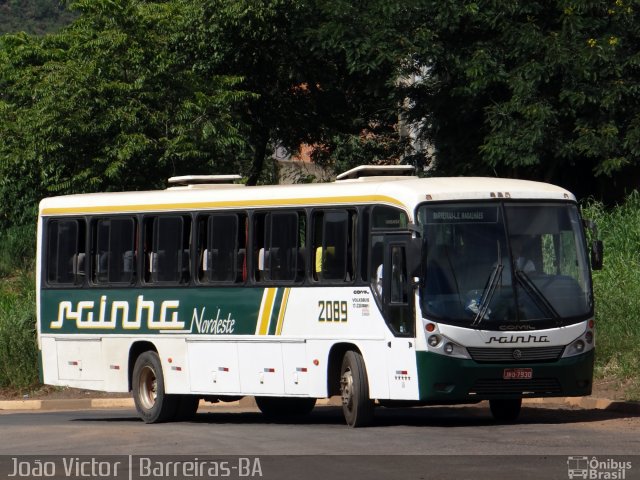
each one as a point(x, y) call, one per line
point(136, 90)
point(617, 294)
point(304, 91)
point(542, 90)
point(110, 103)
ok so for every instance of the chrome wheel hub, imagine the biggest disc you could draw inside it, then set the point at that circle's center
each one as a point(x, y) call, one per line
point(148, 391)
point(346, 389)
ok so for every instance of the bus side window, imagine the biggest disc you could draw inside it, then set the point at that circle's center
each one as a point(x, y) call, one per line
point(279, 246)
point(399, 313)
point(241, 257)
point(259, 243)
point(66, 251)
point(333, 251)
point(114, 250)
point(283, 246)
point(168, 260)
point(382, 218)
point(375, 266)
point(398, 294)
point(218, 252)
point(363, 243)
point(388, 218)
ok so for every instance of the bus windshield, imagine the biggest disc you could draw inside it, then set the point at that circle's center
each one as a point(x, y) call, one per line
point(508, 265)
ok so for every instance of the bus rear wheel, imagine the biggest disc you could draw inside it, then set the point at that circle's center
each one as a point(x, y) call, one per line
point(281, 407)
point(357, 407)
point(152, 403)
point(505, 411)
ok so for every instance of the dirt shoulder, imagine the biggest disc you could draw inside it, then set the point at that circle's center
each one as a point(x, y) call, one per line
point(56, 393)
point(606, 389)
point(614, 390)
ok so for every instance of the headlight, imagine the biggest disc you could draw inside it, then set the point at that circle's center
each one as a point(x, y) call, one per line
point(440, 344)
point(580, 345)
point(443, 346)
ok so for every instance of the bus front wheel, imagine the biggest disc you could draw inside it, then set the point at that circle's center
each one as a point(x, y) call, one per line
point(357, 407)
point(505, 411)
point(152, 403)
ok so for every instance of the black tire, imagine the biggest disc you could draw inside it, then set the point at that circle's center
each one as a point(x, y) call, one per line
point(505, 411)
point(357, 407)
point(187, 407)
point(152, 403)
point(283, 407)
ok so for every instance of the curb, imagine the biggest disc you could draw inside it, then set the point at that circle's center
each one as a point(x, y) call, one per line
point(66, 404)
point(125, 402)
point(585, 403)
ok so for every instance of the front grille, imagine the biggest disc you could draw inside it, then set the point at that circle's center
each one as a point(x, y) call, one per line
point(538, 386)
point(514, 355)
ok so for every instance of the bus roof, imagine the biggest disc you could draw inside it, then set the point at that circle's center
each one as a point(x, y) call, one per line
point(404, 192)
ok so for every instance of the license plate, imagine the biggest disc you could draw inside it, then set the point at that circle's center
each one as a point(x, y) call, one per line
point(517, 374)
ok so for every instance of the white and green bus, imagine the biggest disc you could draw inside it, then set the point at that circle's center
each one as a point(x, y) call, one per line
point(380, 287)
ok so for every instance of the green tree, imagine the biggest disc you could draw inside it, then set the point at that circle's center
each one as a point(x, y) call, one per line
point(110, 103)
point(543, 90)
point(308, 88)
point(373, 40)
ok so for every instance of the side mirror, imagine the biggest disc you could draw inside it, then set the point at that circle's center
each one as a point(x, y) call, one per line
point(414, 257)
point(597, 248)
point(597, 252)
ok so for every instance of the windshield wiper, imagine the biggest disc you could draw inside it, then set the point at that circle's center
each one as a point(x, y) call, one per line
point(487, 294)
point(536, 295)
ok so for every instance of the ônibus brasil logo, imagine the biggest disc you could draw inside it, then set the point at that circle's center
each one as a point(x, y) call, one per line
point(597, 469)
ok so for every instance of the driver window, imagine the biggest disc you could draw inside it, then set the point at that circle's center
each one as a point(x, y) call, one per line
point(383, 218)
point(377, 258)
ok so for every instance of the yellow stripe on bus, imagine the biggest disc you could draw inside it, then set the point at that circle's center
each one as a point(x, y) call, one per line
point(265, 317)
point(223, 204)
point(283, 309)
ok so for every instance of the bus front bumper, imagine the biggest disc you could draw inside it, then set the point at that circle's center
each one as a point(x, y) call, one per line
point(445, 379)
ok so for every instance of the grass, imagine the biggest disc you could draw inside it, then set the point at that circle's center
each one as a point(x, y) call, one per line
point(17, 250)
point(18, 348)
point(617, 294)
point(616, 286)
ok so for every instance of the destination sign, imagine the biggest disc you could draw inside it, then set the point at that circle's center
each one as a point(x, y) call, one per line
point(461, 214)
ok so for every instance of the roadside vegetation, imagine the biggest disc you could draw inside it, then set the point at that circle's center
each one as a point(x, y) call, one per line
point(18, 348)
point(617, 292)
point(617, 295)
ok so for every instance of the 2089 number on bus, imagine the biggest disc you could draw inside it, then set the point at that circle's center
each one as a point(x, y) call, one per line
point(332, 311)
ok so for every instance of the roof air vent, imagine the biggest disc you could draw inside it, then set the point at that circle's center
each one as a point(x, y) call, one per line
point(364, 171)
point(205, 181)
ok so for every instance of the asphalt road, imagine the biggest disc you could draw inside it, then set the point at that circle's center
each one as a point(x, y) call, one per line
point(433, 442)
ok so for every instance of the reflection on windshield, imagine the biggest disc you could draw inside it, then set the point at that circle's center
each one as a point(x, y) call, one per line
point(493, 264)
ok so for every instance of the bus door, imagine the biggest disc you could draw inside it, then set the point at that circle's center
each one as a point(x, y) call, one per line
point(397, 293)
point(399, 312)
